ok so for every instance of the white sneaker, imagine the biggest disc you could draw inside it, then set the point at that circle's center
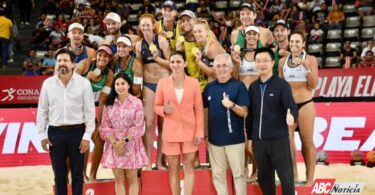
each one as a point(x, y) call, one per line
point(27, 23)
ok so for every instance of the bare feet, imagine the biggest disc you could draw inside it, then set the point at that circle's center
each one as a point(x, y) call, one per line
point(91, 179)
point(308, 183)
point(253, 178)
point(85, 179)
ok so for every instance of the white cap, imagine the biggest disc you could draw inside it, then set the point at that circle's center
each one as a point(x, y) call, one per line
point(252, 28)
point(75, 25)
point(112, 16)
point(188, 13)
point(124, 40)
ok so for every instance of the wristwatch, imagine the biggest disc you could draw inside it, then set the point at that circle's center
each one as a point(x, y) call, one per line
point(126, 140)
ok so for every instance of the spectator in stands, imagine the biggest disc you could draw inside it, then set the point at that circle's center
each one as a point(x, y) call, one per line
point(203, 9)
point(146, 8)
point(87, 12)
point(191, 5)
point(32, 64)
point(57, 35)
point(60, 21)
point(349, 56)
point(365, 7)
point(369, 60)
point(316, 34)
point(320, 16)
point(315, 5)
point(276, 7)
point(5, 37)
point(66, 7)
point(40, 38)
point(335, 18)
point(41, 20)
point(50, 7)
point(25, 7)
point(92, 27)
point(48, 65)
point(304, 5)
point(370, 46)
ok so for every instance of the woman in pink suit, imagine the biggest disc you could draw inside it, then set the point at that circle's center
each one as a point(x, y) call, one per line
point(178, 99)
point(122, 128)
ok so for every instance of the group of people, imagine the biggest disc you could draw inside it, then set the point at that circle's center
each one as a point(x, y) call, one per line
point(176, 77)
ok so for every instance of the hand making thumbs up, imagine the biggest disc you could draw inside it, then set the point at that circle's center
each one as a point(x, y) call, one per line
point(289, 118)
point(168, 108)
point(226, 101)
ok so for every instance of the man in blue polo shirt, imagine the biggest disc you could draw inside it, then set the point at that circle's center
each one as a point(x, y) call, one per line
point(227, 101)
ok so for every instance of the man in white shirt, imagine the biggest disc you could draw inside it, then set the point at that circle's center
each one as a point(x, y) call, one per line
point(66, 105)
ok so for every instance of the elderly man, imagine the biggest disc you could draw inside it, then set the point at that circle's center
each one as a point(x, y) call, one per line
point(226, 100)
point(66, 105)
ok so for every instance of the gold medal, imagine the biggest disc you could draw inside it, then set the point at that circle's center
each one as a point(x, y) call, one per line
point(152, 48)
point(180, 39)
point(195, 50)
point(169, 34)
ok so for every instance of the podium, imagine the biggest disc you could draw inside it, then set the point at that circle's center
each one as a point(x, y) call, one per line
point(157, 183)
point(101, 187)
point(300, 190)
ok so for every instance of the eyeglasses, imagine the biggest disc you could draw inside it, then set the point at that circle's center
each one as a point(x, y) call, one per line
point(263, 60)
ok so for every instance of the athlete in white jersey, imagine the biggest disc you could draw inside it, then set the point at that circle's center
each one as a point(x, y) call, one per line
point(301, 71)
point(248, 73)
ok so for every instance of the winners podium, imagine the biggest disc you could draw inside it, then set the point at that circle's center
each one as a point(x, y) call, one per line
point(156, 183)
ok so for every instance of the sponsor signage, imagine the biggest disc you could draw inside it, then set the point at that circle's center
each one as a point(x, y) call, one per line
point(20, 89)
point(335, 83)
point(332, 83)
point(339, 129)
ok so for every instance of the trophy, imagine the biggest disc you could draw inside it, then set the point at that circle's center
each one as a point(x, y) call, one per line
point(321, 158)
point(357, 158)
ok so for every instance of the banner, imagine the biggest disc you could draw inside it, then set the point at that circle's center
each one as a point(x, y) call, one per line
point(332, 83)
point(20, 89)
point(340, 128)
point(355, 82)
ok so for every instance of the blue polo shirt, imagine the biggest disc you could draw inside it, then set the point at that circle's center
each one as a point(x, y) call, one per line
point(225, 127)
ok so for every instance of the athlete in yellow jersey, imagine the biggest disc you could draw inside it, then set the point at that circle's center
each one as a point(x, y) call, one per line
point(168, 25)
point(187, 44)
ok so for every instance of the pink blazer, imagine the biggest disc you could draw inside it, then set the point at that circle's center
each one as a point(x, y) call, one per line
point(186, 122)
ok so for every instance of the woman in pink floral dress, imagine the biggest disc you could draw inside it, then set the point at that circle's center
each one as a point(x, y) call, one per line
point(122, 128)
